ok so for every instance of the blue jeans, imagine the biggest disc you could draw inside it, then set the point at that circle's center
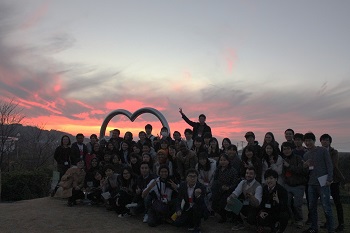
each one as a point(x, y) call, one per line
point(315, 192)
point(297, 193)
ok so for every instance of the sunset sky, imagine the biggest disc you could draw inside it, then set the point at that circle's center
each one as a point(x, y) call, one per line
point(248, 65)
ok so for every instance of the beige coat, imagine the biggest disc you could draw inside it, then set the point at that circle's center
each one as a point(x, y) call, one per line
point(74, 177)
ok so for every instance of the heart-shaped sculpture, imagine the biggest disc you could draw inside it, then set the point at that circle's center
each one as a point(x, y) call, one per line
point(132, 117)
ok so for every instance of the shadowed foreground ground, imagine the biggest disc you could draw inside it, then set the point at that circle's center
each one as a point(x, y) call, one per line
point(52, 215)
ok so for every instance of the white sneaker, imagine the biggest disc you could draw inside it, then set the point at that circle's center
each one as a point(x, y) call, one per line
point(145, 218)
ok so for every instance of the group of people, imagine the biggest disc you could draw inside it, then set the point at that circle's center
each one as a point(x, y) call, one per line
point(184, 180)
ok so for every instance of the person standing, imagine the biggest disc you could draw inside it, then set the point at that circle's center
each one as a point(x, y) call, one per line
point(199, 128)
point(319, 163)
point(338, 177)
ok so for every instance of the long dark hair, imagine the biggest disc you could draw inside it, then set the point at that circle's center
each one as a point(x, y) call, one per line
point(266, 157)
point(206, 167)
point(244, 158)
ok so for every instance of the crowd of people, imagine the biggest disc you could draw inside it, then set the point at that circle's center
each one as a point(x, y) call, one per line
point(182, 181)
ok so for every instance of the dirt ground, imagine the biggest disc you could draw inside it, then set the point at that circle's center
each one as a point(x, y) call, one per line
point(53, 215)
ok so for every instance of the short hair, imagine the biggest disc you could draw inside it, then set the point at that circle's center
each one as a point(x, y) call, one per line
point(232, 146)
point(148, 126)
point(142, 132)
point(188, 131)
point(310, 135)
point(116, 130)
point(79, 135)
point(207, 135)
point(93, 136)
point(163, 166)
point(164, 128)
point(326, 136)
point(270, 172)
point(287, 144)
point(108, 166)
point(198, 139)
point(289, 130)
point(203, 155)
point(144, 162)
point(251, 168)
point(192, 170)
point(298, 136)
point(202, 115)
point(177, 132)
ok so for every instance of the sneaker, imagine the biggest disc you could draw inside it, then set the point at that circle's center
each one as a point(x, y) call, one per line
point(238, 227)
point(299, 224)
point(340, 228)
point(131, 205)
point(310, 230)
point(145, 218)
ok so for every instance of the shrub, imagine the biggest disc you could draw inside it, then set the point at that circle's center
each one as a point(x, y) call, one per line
point(24, 185)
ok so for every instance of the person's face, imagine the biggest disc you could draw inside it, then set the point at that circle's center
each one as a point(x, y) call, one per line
point(271, 181)
point(126, 174)
point(133, 160)
point(201, 120)
point(183, 149)
point(223, 162)
point(109, 172)
point(136, 149)
point(287, 151)
point(172, 151)
point(115, 160)
point(249, 154)
point(145, 149)
point(93, 140)
point(206, 140)
point(164, 145)
point(188, 136)
point(146, 158)
point(309, 143)
point(197, 144)
point(144, 169)
point(65, 141)
point(288, 135)
point(249, 175)
point(202, 161)
point(98, 176)
point(231, 152)
point(125, 146)
point(176, 136)
point(164, 133)
point(80, 139)
point(325, 142)
point(94, 163)
point(96, 147)
point(107, 157)
point(142, 136)
point(298, 142)
point(127, 136)
point(213, 143)
point(148, 131)
point(80, 164)
point(161, 157)
point(268, 138)
point(110, 146)
point(269, 150)
point(163, 173)
point(115, 134)
point(250, 139)
point(225, 143)
point(191, 179)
